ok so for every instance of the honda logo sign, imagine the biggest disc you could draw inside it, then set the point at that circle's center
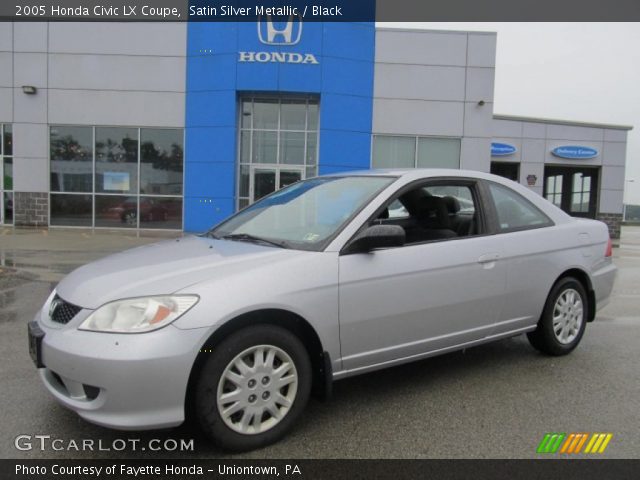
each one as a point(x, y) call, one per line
point(289, 34)
point(279, 34)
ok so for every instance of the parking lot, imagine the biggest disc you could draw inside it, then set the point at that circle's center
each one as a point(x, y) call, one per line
point(492, 401)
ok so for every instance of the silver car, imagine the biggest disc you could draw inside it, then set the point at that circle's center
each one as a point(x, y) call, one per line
point(315, 283)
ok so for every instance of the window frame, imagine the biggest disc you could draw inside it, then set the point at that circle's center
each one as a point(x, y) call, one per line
point(93, 193)
point(491, 204)
point(241, 202)
point(416, 139)
point(3, 191)
point(475, 186)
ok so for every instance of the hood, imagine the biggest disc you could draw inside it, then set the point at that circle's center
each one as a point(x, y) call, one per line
point(163, 268)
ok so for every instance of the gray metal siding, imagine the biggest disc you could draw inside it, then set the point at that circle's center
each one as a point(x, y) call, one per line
point(429, 84)
point(536, 140)
point(130, 74)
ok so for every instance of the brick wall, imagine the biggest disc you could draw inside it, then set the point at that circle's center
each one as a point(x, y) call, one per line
point(31, 209)
point(613, 221)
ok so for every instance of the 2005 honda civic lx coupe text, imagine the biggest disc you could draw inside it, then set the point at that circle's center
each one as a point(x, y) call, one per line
point(314, 283)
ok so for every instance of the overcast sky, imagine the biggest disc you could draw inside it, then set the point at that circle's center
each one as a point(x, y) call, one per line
point(588, 72)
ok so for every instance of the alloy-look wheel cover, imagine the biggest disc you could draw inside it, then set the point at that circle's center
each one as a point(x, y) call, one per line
point(568, 315)
point(257, 389)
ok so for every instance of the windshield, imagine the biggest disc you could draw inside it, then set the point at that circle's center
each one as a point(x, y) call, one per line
point(304, 215)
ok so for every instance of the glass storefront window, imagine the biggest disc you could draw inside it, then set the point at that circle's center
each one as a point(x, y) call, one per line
point(116, 160)
point(313, 114)
point(438, 152)
point(294, 116)
point(292, 148)
point(280, 135)
point(132, 177)
point(265, 114)
point(7, 207)
point(394, 151)
point(312, 149)
point(7, 140)
point(71, 150)
point(161, 161)
point(116, 211)
point(6, 174)
point(265, 147)
point(160, 212)
point(70, 210)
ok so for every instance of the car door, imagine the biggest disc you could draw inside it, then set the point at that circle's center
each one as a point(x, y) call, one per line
point(405, 301)
point(531, 268)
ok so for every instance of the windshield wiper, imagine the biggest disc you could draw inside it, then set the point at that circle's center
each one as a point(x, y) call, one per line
point(247, 237)
point(210, 234)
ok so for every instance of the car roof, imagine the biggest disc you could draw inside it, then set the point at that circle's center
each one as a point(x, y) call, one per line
point(417, 173)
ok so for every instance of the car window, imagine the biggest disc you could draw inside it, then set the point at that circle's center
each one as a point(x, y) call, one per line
point(397, 210)
point(306, 214)
point(462, 194)
point(433, 212)
point(514, 211)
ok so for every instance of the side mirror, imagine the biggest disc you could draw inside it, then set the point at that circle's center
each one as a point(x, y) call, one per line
point(377, 236)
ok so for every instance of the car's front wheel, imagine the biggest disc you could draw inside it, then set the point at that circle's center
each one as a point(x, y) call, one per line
point(253, 387)
point(563, 320)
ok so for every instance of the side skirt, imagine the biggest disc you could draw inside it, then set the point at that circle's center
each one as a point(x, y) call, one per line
point(378, 366)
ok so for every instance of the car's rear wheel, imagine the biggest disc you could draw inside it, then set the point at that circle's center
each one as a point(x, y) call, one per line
point(563, 320)
point(253, 387)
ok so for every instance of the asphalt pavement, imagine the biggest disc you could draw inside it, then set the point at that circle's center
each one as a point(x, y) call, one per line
point(493, 401)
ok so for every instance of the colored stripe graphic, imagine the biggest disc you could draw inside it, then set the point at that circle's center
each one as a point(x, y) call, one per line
point(573, 443)
point(598, 443)
point(551, 442)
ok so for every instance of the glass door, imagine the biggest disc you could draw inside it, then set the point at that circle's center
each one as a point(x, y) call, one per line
point(263, 182)
point(267, 179)
point(573, 189)
point(287, 177)
point(277, 144)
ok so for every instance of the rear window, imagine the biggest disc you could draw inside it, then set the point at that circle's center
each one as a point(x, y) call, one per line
point(516, 212)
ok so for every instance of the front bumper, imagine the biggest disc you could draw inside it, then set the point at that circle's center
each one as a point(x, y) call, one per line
point(123, 381)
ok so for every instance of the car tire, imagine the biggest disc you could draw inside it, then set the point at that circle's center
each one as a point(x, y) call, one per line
point(563, 319)
point(263, 410)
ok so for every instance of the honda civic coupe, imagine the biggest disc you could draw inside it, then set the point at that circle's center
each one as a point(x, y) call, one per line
point(238, 326)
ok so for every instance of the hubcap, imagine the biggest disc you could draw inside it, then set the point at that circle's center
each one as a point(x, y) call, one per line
point(567, 316)
point(257, 389)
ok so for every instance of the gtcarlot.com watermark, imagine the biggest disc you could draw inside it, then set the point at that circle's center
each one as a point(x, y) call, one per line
point(44, 443)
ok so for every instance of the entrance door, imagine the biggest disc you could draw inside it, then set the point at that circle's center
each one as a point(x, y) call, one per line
point(573, 189)
point(506, 170)
point(267, 179)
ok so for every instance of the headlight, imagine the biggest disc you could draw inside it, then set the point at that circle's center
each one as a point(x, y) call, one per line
point(137, 315)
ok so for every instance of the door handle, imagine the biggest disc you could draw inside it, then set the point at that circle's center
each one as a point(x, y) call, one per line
point(488, 258)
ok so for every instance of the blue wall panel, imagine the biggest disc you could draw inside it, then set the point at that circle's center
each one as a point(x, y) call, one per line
point(213, 72)
point(348, 40)
point(343, 79)
point(207, 144)
point(344, 149)
point(201, 176)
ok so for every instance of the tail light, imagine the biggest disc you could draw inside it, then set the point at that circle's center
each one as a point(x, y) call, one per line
point(609, 251)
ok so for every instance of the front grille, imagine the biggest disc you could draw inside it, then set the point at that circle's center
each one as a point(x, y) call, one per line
point(61, 311)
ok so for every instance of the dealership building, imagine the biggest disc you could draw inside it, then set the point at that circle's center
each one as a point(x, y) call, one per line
point(176, 125)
